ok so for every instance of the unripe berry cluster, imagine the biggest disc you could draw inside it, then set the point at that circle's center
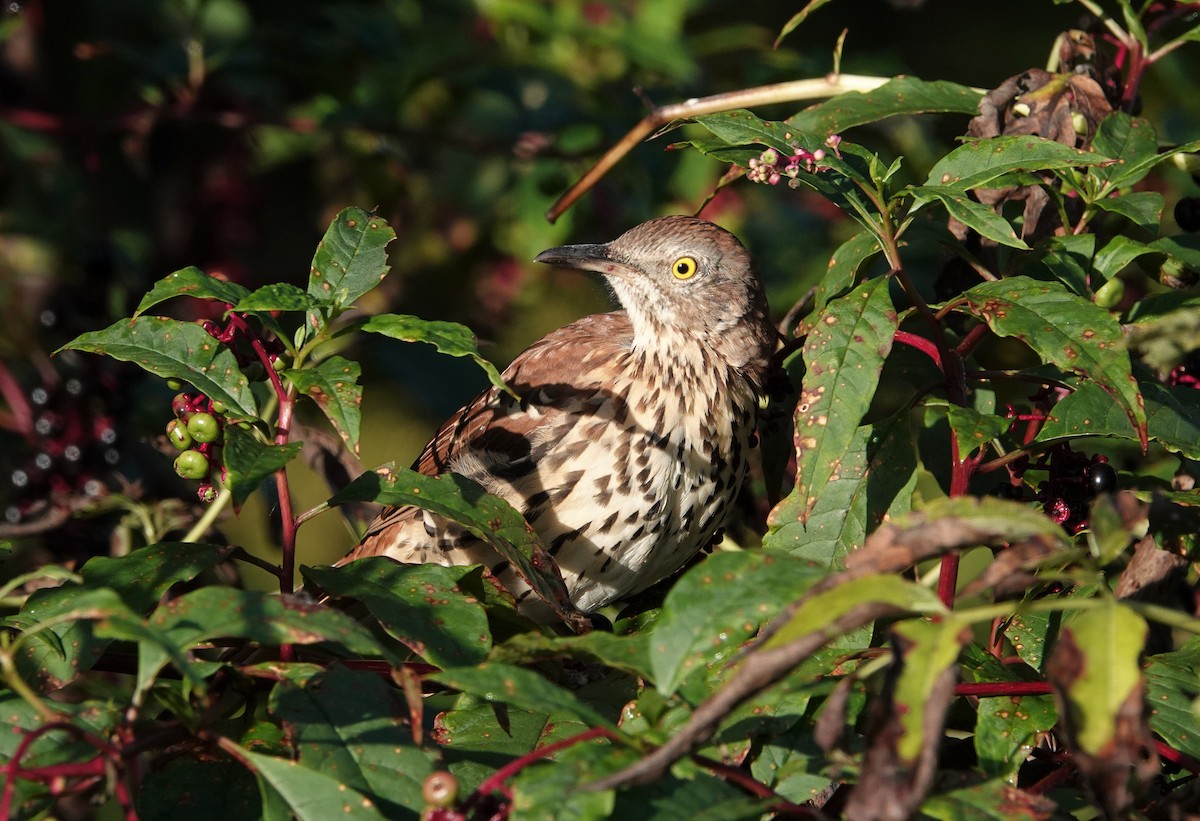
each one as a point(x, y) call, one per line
point(196, 432)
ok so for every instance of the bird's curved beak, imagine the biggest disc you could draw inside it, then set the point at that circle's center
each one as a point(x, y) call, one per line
point(583, 257)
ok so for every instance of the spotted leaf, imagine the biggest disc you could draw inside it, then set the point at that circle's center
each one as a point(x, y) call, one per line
point(843, 356)
point(351, 259)
point(1066, 330)
point(333, 385)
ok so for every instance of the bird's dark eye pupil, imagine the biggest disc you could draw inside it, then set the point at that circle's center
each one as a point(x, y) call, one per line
point(682, 268)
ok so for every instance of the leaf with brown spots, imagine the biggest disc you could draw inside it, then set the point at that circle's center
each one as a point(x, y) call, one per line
point(249, 461)
point(193, 282)
point(753, 586)
point(175, 350)
point(843, 356)
point(1065, 330)
point(333, 385)
point(351, 258)
point(990, 801)
point(524, 689)
point(421, 605)
point(310, 795)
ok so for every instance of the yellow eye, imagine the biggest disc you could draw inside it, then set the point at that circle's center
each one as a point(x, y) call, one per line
point(684, 268)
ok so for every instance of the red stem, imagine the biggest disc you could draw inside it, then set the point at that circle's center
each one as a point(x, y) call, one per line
point(969, 342)
point(13, 769)
point(1177, 758)
point(18, 404)
point(921, 344)
point(495, 782)
point(741, 778)
point(984, 689)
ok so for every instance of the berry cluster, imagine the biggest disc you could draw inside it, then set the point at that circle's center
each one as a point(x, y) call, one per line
point(242, 340)
point(769, 167)
point(1187, 372)
point(196, 433)
point(1072, 481)
point(73, 442)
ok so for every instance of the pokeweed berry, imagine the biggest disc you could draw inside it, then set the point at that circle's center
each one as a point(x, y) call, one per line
point(1101, 477)
point(203, 427)
point(1187, 213)
point(181, 404)
point(207, 493)
point(440, 789)
point(191, 464)
point(177, 432)
point(1110, 294)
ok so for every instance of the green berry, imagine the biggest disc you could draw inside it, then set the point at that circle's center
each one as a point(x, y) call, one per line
point(177, 432)
point(191, 464)
point(218, 407)
point(175, 384)
point(204, 427)
point(207, 493)
point(440, 789)
point(1110, 294)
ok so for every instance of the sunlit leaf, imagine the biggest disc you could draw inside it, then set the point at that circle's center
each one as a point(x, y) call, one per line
point(193, 282)
point(351, 259)
point(333, 385)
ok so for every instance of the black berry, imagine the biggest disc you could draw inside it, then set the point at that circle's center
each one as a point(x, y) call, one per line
point(1187, 213)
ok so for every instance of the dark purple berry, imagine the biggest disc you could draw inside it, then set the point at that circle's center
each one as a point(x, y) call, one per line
point(1101, 478)
point(1187, 213)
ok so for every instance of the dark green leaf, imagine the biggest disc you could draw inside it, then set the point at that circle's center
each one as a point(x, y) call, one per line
point(141, 577)
point(463, 501)
point(1172, 687)
point(1006, 727)
point(843, 357)
point(1069, 259)
point(351, 259)
point(974, 215)
point(347, 725)
point(193, 282)
point(278, 296)
point(1130, 141)
point(972, 429)
point(421, 605)
point(333, 385)
point(194, 788)
point(249, 461)
point(1066, 330)
point(312, 795)
point(630, 652)
point(693, 631)
point(978, 163)
point(900, 96)
point(175, 350)
point(521, 688)
point(448, 337)
point(53, 663)
point(1172, 417)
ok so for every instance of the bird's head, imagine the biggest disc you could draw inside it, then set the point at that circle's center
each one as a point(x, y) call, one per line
point(684, 277)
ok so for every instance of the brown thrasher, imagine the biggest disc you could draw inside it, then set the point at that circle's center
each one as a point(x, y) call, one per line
point(628, 446)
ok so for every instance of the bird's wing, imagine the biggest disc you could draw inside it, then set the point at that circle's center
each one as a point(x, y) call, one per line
point(496, 435)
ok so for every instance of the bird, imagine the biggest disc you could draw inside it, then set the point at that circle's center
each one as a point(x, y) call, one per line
point(628, 445)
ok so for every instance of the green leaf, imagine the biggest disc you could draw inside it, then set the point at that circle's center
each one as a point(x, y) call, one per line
point(175, 350)
point(463, 501)
point(248, 461)
point(550, 790)
point(799, 17)
point(193, 282)
point(924, 650)
point(1031, 633)
point(974, 215)
point(842, 274)
point(278, 296)
point(1065, 330)
point(421, 605)
point(351, 259)
point(1172, 687)
point(741, 127)
point(815, 613)
point(142, 576)
point(449, 338)
point(990, 801)
point(752, 587)
point(899, 96)
point(1069, 259)
point(1142, 208)
point(223, 612)
point(1172, 417)
point(629, 652)
point(979, 163)
point(1133, 142)
point(972, 429)
point(312, 795)
point(843, 357)
point(347, 724)
point(518, 687)
point(333, 385)
point(877, 475)
point(1099, 648)
point(1006, 727)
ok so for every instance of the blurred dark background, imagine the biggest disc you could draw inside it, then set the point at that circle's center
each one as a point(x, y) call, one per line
point(141, 136)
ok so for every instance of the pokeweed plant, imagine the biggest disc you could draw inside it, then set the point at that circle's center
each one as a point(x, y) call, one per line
point(975, 599)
